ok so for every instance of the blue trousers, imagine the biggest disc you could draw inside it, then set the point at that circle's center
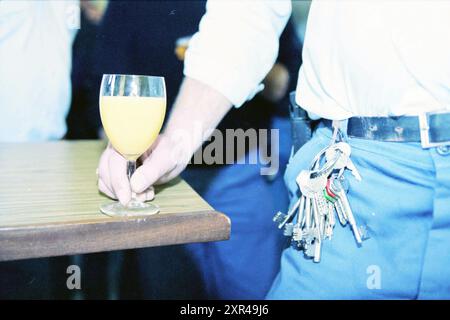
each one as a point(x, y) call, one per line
point(245, 266)
point(404, 202)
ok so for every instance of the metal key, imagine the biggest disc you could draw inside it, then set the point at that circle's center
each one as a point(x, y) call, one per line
point(341, 193)
point(285, 219)
point(297, 233)
point(316, 217)
point(307, 213)
point(310, 186)
point(317, 251)
point(340, 212)
point(323, 208)
point(301, 211)
point(330, 222)
point(279, 217)
point(310, 249)
point(288, 229)
point(344, 162)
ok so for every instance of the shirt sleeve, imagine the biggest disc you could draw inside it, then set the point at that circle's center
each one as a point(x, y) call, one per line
point(236, 46)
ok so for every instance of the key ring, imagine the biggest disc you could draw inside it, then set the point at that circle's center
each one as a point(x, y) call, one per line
point(327, 168)
point(318, 157)
point(315, 171)
point(337, 133)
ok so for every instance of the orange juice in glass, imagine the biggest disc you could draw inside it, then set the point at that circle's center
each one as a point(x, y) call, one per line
point(132, 110)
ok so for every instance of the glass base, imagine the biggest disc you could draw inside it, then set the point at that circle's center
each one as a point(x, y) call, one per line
point(132, 209)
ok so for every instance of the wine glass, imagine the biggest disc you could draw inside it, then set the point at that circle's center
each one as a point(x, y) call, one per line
point(132, 110)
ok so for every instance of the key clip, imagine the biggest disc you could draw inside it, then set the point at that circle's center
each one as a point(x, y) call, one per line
point(338, 135)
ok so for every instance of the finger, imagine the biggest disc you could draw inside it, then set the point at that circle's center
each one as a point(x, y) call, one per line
point(103, 168)
point(149, 151)
point(119, 179)
point(105, 190)
point(156, 165)
point(148, 195)
point(169, 175)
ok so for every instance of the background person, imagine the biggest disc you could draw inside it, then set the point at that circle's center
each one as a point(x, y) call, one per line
point(36, 40)
point(139, 38)
point(35, 53)
point(36, 50)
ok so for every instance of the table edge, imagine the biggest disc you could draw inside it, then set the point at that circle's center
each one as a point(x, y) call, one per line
point(24, 242)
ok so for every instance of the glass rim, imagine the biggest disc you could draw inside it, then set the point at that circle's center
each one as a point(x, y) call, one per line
point(132, 75)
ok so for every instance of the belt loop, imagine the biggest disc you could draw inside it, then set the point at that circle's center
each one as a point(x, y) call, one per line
point(335, 124)
point(344, 128)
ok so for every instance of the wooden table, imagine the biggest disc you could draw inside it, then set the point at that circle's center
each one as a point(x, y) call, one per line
point(49, 206)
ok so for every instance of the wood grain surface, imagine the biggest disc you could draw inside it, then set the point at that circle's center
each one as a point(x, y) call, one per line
point(49, 205)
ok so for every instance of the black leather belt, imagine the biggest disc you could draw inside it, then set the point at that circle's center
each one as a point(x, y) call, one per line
point(430, 129)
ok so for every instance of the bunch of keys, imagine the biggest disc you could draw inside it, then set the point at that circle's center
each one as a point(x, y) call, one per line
point(323, 189)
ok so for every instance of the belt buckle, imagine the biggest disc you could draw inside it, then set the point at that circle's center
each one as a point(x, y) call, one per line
point(425, 131)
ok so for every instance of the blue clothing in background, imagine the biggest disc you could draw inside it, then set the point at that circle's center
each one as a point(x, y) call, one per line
point(243, 267)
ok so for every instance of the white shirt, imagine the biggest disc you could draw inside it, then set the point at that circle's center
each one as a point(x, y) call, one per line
point(35, 63)
point(360, 58)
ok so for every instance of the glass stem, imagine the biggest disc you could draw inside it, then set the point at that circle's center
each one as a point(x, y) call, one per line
point(131, 168)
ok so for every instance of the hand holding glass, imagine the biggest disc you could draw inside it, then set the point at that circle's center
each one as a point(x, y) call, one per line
point(132, 109)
